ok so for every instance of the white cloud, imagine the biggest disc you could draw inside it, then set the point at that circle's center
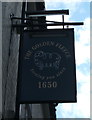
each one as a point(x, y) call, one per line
point(71, 5)
point(57, 18)
point(82, 78)
point(82, 53)
point(82, 45)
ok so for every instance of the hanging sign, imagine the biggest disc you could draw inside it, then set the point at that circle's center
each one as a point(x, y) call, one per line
point(47, 71)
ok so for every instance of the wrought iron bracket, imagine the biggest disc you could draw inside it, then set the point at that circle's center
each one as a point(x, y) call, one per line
point(31, 20)
point(15, 22)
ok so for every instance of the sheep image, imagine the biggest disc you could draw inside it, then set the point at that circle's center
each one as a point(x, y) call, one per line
point(44, 60)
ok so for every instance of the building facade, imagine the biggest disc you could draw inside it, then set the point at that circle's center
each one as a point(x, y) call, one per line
point(10, 55)
point(10, 47)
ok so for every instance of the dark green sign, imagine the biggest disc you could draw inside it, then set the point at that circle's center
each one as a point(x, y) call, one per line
point(48, 67)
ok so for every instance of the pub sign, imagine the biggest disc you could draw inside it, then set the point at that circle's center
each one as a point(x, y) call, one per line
point(48, 71)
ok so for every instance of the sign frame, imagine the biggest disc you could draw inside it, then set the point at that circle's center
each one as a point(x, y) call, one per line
point(43, 33)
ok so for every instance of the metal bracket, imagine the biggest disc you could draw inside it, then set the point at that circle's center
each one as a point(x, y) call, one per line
point(15, 22)
point(31, 21)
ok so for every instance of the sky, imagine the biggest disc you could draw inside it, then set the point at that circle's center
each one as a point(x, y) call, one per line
point(78, 11)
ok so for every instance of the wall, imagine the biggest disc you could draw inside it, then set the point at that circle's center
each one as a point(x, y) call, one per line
point(10, 46)
point(10, 52)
